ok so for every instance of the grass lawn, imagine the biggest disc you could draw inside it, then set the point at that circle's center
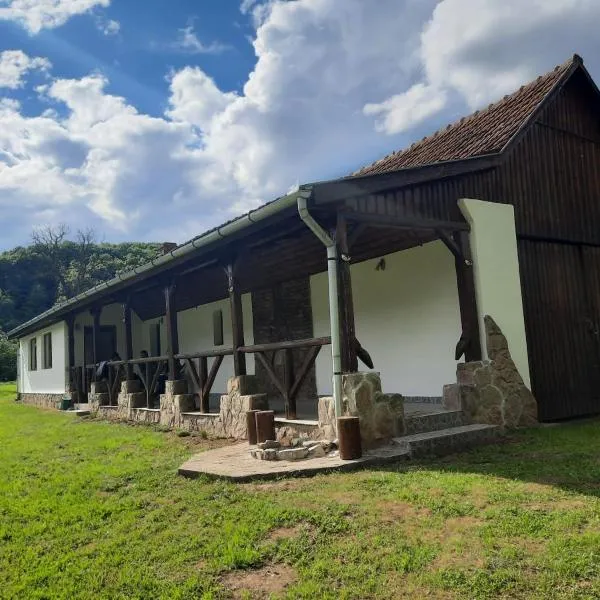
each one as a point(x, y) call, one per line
point(95, 510)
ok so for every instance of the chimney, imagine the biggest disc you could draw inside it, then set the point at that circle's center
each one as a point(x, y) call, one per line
point(167, 247)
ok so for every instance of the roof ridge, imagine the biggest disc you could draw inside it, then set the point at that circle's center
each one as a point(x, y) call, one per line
point(467, 119)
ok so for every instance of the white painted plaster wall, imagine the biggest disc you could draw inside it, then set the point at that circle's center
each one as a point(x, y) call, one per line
point(45, 381)
point(497, 278)
point(407, 316)
point(196, 333)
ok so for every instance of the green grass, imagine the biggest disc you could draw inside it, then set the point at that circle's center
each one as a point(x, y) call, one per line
point(95, 510)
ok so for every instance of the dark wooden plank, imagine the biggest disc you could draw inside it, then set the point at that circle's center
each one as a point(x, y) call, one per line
point(309, 361)
point(470, 343)
point(96, 312)
point(288, 379)
point(386, 221)
point(237, 321)
point(128, 338)
point(193, 372)
point(272, 375)
point(203, 377)
point(214, 369)
point(206, 353)
point(349, 361)
point(321, 341)
point(172, 332)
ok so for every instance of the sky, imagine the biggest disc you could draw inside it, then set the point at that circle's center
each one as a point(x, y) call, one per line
point(156, 120)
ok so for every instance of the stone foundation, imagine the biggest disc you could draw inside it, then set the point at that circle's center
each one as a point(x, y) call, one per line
point(381, 415)
point(42, 400)
point(492, 391)
point(178, 409)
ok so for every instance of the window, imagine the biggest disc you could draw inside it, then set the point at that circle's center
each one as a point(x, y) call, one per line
point(47, 356)
point(33, 354)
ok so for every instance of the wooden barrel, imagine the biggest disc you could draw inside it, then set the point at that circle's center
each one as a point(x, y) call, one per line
point(265, 425)
point(251, 426)
point(348, 429)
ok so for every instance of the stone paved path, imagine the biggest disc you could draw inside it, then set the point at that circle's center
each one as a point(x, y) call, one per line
point(235, 463)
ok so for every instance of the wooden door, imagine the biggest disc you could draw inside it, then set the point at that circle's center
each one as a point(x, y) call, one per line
point(562, 320)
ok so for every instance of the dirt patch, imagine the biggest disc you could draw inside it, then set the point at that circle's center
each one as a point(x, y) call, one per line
point(280, 485)
point(400, 511)
point(283, 533)
point(260, 583)
point(286, 533)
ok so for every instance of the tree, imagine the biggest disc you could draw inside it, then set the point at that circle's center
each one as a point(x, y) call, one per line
point(8, 358)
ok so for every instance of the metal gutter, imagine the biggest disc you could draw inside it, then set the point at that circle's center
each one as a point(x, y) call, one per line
point(214, 235)
point(334, 312)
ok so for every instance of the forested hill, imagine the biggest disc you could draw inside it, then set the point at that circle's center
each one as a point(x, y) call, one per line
point(34, 278)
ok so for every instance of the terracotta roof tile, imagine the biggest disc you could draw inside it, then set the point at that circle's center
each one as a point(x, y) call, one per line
point(484, 132)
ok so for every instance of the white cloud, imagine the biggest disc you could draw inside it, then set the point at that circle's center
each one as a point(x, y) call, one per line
point(407, 110)
point(14, 65)
point(300, 116)
point(35, 15)
point(479, 50)
point(108, 28)
point(188, 42)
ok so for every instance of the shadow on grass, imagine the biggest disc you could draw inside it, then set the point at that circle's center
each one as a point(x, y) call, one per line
point(565, 455)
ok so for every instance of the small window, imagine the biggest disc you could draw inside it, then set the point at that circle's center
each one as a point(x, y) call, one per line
point(47, 357)
point(33, 354)
point(218, 327)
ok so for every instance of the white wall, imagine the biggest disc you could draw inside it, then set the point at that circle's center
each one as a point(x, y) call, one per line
point(45, 381)
point(497, 279)
point(196, 334)
point(407, 316)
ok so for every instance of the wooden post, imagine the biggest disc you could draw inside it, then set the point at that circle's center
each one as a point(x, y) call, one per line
point(128, 338)
point(96, 312)
point(203, 377)
point(346, 304)
point(237, 321)
point(172, 332)
point(470, 343)
point(265, 425)
point(348, 429)
point(71, 352)
point(251, 426)
point(288, 378)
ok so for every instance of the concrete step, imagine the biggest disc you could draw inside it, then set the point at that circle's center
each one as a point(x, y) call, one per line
point(447, 441)
point(434, 421)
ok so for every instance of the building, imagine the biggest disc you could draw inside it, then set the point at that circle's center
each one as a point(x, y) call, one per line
point(497, 214)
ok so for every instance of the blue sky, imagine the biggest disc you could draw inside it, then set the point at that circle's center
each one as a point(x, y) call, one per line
point(155, 120)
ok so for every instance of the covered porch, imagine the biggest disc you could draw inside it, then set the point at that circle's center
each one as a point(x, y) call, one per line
point(257, 303)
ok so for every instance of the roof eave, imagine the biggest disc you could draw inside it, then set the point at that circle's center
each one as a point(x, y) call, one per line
point(186, 251)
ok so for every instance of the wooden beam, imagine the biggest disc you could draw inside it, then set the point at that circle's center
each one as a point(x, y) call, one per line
point(309, 361)
point(203, 377)
point(288, 379)
point(450, 244)
point(71, 351)
point(128, 338)
point(345, 300)
point(96, 312)
point(469, 343)
point(172, 332)
point(270, 346)
point(405, 222)
point(210, 380)
point(237, 320)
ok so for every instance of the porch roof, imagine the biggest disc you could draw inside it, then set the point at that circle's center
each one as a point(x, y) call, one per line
point(317, 193)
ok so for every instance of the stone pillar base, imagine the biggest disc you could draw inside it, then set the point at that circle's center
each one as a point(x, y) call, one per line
point(493, 391)
point(381, 415)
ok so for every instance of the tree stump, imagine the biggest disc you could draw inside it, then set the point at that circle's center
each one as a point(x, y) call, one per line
point(251, 426)
point(348, 429)
point(265, 425)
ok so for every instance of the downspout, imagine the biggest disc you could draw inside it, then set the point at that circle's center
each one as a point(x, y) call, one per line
point(334, 318)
